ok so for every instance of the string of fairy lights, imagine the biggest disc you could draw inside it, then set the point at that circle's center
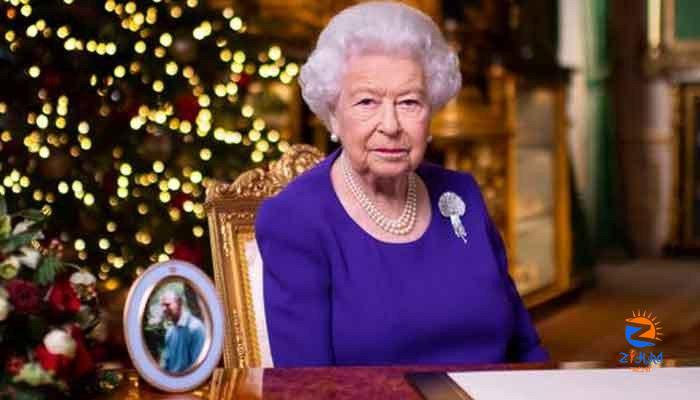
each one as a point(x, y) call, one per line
point(53, 126)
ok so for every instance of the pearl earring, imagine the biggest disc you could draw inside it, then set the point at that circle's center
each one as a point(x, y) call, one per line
point(334, 138)
point(430, 138)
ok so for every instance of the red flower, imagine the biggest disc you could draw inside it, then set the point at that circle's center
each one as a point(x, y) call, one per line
point(14, 364)
point(58, 363)
point(62, 297)
point(82, 363)
point(24, 296)
point(64, 367)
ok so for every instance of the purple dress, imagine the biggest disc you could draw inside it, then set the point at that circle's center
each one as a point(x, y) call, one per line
point(334, 295)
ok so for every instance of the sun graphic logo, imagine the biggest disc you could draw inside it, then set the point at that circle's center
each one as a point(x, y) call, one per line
point(642, 330)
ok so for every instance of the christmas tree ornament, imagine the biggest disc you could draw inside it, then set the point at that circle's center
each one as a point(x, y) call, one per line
point(57, 165)
point(184, 49)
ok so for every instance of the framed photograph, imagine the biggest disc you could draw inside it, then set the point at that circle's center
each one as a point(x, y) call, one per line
point(174, 326)
point(673, 35)
point(680, 30)
point(688, 215)
point(541, 247)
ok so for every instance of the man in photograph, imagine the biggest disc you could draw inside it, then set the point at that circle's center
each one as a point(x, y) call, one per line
point(184, 338)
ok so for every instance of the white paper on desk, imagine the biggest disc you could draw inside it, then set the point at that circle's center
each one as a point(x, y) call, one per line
point(580, 384)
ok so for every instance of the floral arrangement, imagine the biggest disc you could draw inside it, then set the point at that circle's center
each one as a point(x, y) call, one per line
point(51, 335)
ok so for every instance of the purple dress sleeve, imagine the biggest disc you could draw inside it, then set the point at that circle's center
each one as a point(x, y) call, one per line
point(296, 272)
point(525, 344)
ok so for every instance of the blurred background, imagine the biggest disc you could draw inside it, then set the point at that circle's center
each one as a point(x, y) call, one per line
point(579, 119)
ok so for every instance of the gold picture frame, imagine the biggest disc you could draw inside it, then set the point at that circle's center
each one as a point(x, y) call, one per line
point(666, 49)
point(689, 179)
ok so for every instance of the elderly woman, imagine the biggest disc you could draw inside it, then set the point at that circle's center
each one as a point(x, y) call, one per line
point(375, 256)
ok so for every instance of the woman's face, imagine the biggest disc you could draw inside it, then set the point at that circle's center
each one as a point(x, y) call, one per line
point(382, 115)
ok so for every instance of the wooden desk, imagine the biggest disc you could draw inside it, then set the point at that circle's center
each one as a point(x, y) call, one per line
point(325, 383)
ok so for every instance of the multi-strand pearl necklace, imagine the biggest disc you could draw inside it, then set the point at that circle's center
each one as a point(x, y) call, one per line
point(400, 226)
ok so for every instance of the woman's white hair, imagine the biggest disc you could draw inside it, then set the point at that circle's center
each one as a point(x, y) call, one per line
point(387, 27)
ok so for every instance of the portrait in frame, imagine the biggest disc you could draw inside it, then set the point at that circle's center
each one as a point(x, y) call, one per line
point(174, 326)
point(673, 36)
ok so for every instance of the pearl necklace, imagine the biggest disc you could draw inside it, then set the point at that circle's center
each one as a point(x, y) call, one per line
point(400, 226)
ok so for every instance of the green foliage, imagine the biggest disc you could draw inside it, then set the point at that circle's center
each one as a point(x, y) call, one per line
point(16, 242)
point(30, 312)
point(12, 392)
point(32, 215)
point(36, 328)
point(47, 270)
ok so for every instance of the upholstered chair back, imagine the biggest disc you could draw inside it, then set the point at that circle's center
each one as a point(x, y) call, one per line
point(238, 267)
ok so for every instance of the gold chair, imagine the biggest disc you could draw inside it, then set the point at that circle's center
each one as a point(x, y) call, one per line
point(238, 272)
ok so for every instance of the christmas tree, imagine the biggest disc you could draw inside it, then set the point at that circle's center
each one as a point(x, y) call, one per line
point(115, 115)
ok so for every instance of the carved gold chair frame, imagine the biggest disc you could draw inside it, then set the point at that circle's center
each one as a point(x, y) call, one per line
point(231, 210)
